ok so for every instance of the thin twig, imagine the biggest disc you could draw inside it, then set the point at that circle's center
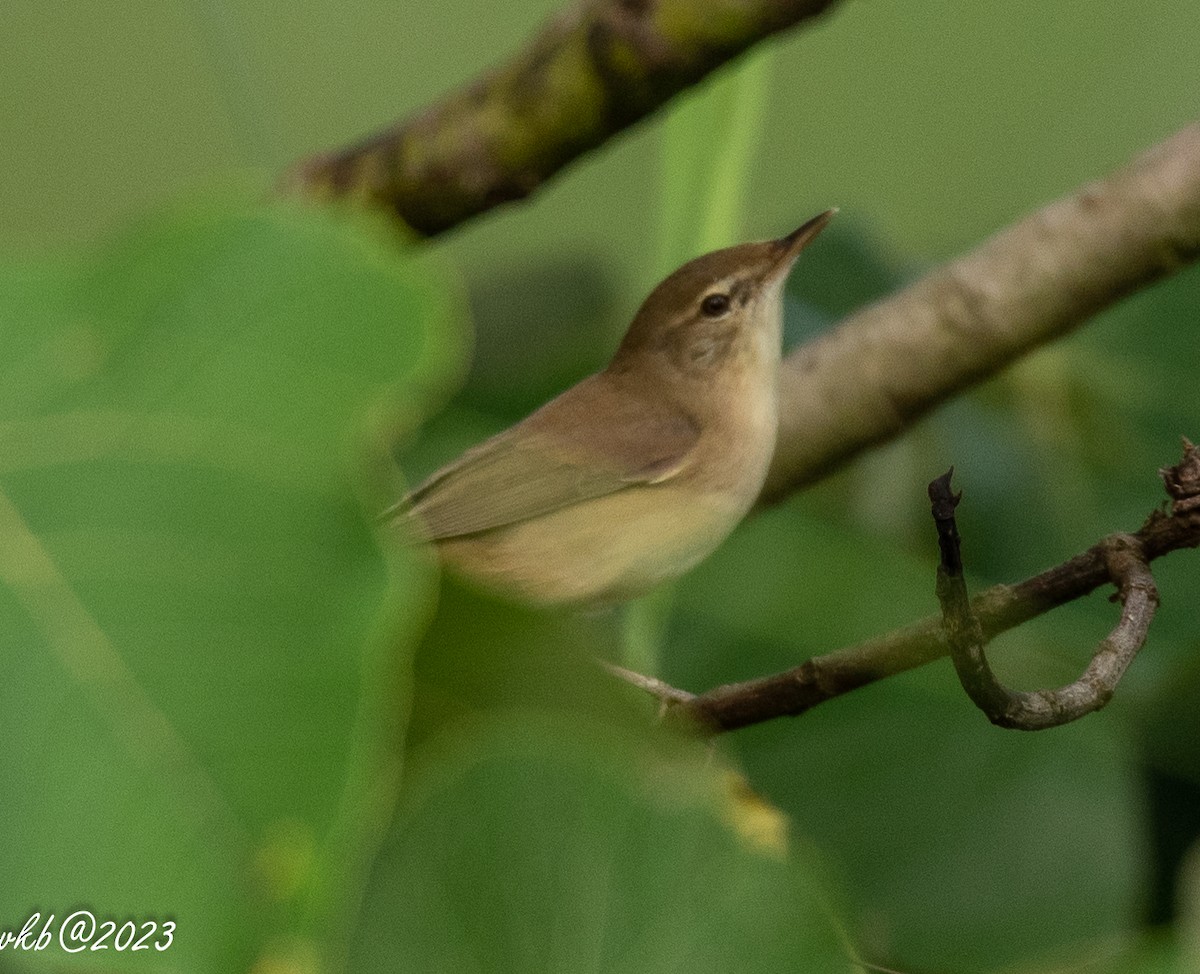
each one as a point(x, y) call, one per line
point(997, 610)
point(666, 694)
point(1039, 709)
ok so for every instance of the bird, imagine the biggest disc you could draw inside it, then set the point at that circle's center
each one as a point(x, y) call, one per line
point(635, 474)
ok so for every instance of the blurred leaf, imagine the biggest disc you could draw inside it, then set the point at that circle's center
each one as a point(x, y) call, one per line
point(537, 331)
point(1188, 905)
point(751, 585)
point(1157, 952)
point(1068, 443)
point(545, 824)
point(848, 269)
point(483, 655)
point(710, 135)
point(190, 598)
point(1170, 718)
point(962, 846)
point(546, 843)
point(1154, 950)
point(1168, 722)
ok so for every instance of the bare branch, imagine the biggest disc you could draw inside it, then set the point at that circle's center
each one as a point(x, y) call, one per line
point(593, 70)
point(889, 364)
point(1040, 709)
point(1183, 481)
point(996, 610)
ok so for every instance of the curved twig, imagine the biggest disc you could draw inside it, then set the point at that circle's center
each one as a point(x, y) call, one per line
point(996, 610)
point(1040, 709)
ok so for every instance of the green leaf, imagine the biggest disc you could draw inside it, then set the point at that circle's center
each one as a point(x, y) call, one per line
point(190, 597)
point(710, 141)
point(962, 846)
point(546, 824)
point(537, 843)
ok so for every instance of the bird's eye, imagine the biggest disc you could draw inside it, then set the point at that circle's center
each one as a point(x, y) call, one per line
point(715, 305)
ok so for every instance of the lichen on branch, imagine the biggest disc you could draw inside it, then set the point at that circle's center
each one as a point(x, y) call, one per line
point(592, 70)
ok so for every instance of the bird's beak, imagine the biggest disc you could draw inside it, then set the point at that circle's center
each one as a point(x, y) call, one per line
point(789, 247)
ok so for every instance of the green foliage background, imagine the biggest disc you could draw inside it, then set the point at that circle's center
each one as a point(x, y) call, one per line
point(210, 668)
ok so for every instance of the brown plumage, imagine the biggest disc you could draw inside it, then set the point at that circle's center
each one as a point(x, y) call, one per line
point(635, 474)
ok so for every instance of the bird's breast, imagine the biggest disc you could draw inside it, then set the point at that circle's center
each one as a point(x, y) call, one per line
point(736, 447)
point(606, 549)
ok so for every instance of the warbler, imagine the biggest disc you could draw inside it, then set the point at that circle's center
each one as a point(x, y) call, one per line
point(635, 474)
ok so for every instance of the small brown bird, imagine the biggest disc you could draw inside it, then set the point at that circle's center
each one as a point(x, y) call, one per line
point(631, 477)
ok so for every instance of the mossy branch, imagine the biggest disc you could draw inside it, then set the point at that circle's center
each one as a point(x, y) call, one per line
point(592, 71)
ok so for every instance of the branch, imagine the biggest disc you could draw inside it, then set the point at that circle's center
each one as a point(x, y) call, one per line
point(591, 71)
point(1040, 709)
point(667, 695)
point(996, 610)
point(602, 64)
point(886, 366)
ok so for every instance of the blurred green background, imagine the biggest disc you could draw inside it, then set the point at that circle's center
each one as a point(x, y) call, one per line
point(210, 669)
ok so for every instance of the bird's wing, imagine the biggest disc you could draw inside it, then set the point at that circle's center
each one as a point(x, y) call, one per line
point(594, 439)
